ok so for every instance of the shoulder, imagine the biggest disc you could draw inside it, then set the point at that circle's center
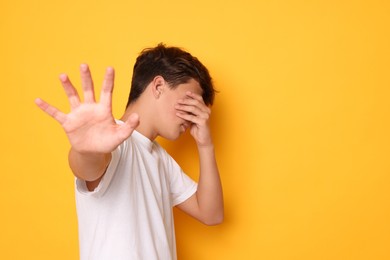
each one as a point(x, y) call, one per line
point(161, 151)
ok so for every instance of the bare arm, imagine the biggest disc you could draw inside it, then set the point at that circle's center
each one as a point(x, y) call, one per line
point(90, 126)
point(206, 204)
point(89, 167)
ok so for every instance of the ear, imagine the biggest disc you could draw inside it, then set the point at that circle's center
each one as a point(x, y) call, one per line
point(158, 86)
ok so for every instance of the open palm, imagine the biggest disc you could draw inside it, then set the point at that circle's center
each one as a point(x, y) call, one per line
point(90, 126)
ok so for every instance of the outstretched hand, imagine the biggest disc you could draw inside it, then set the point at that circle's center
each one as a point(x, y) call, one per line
point(90, 126)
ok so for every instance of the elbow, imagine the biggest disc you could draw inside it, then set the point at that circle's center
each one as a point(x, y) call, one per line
point(214, 220)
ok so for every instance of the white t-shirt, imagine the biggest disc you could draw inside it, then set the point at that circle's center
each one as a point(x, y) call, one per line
point(129, 215)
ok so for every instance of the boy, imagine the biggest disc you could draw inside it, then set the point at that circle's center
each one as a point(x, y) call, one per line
point(126, 184)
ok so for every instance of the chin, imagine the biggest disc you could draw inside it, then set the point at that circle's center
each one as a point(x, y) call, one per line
point(172, 136)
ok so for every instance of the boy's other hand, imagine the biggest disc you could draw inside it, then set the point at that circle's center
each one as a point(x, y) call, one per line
point(193, 109)
point(90, 126)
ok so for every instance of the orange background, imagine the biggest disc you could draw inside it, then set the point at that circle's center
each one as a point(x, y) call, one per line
point(301, 122)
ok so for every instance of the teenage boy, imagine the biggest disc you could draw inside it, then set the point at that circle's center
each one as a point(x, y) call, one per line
point(126, 183)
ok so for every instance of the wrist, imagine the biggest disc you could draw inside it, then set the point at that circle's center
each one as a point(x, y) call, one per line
point(204, 142)
point(84, 153)
point(205, 147)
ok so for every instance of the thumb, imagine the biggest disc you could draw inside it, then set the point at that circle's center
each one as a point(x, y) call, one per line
point(126, 129)
point(132, 121)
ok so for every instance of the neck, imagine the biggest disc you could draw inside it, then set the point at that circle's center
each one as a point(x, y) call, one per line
point(145, 127)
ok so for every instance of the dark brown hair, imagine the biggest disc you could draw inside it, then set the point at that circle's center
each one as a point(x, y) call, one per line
point(175, 65)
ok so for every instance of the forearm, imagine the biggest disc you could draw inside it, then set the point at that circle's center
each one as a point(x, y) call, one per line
point(209, 193)
point(88, 166)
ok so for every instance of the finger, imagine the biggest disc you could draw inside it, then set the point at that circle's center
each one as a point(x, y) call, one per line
point(126, 129)
point(193, 107)
point(87, 84)
point(192, 118)
point(133, 121)
point(108, 86)
point(198, 102)
point(51, 111)
point(70, 91)
point(195, 96)
point(190, 109)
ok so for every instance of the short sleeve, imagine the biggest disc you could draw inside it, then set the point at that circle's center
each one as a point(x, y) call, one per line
point(81, 186)
point(182, 187)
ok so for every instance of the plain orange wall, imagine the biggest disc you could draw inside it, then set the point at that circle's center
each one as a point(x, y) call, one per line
point(301, 122)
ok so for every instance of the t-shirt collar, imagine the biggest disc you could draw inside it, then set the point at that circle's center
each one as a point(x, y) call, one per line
point(146, 142)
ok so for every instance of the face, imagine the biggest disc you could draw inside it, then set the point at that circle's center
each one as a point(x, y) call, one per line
point(170, 125)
